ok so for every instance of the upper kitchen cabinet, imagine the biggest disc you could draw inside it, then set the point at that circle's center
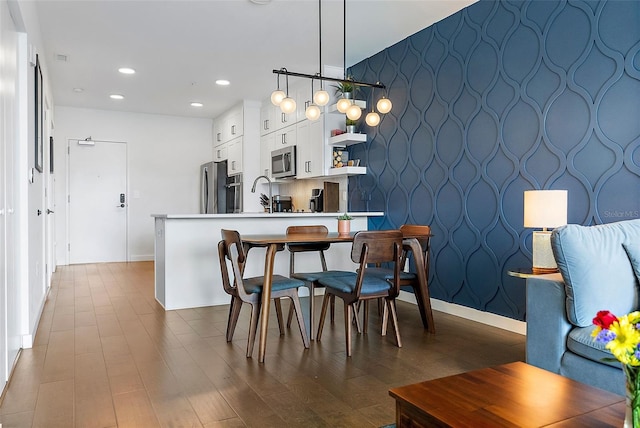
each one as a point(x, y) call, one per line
point(311, 150)
point(229, 125)
point(234, 156)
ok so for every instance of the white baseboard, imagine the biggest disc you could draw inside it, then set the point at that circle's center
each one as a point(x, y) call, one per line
point(488, 318)
point(141, 258)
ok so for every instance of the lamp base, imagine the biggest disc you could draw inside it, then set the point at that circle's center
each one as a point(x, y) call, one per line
point(543, 260)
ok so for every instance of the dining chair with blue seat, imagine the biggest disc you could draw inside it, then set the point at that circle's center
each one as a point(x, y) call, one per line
point(311, 279)
point(249, 290)
point(422, 233)
point(369, 248)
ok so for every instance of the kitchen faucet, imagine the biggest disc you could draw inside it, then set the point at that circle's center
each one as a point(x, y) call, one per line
point(253, 189)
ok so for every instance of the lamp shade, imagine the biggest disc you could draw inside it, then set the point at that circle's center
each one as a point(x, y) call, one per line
point(545, 208)
point(288, 105)
point(312, 112)
point(321, 97)
point(277, 96)
point(354, 112)
point(384, 105)
point(343, 104)
point(372, 119)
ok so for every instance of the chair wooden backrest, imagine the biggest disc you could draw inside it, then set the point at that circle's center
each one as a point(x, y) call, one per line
point(298, 248)
point(423, 234)
point(375, 247)
point(230, 248)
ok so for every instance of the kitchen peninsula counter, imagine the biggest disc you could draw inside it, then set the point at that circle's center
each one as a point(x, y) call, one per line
point(187, 270)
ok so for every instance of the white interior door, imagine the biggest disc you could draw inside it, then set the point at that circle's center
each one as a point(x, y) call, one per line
point(97, 201)
point(10, 335)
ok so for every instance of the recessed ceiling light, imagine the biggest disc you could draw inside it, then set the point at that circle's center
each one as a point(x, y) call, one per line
point(196, 104)
point(126, 70)
point(78, 90)
point(116, 96)
point(260, 2)
point(222, 82)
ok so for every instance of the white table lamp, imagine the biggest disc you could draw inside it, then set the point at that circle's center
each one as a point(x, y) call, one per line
point(544, 209)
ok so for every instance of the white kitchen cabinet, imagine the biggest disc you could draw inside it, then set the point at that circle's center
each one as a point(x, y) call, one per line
point(285, 137)
point(234, 156)
point(217, 133)
point(220, 152)
point(234, 123)
point(228, 126)
point(311, 149)
point(267, 118)
point(267, 145)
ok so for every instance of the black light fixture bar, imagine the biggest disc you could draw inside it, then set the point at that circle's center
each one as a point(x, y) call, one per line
point(326, 78)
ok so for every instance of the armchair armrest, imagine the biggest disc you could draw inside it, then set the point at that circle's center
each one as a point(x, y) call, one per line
point(547, 323)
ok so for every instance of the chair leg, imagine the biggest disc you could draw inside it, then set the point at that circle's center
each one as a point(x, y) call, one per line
point(234, 313)
point(394, 321)
point(365, 318)
point(290, 316)
point(333, 309)
point(295, 302)
point(279, 315)
point(253, 328)
point(312, 310)
point(385, 318)
point(348, 310)
point(323, 313)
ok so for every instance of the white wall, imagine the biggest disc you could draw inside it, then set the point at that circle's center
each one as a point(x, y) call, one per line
point(164, 158)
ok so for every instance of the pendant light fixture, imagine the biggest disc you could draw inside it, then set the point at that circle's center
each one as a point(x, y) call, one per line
point(373, 118)
point(384, 105)
point(313, 111)
point(278, 95)
point(321, 97)
point(288, 104)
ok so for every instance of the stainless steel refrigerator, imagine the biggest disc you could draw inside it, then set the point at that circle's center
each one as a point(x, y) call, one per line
point(219, 193)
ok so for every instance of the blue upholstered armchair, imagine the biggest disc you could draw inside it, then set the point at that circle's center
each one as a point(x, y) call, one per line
point(599, 269)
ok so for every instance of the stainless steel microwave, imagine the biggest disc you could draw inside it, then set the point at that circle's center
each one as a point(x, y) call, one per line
point(283, 162)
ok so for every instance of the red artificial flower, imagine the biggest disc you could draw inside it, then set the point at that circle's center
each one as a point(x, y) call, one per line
point(604, 319)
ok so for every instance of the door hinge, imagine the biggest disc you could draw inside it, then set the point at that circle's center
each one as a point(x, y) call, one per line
point(68, 198)
point(68, 247)
point(68, 150)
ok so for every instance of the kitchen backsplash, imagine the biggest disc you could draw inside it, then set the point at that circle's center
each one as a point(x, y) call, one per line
point(300, 191)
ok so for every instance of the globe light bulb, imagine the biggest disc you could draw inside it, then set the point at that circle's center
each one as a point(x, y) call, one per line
point(321, 97)
point(312, 112)
point(277, 96)
point(384, 105)
point(372, 119)
point(288, 105)
point(343, 104)
point(354, 112)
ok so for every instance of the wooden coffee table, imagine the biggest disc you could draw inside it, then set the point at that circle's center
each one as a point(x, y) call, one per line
point(510, 395)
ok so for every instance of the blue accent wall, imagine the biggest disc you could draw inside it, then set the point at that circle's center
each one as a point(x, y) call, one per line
point(502, 97)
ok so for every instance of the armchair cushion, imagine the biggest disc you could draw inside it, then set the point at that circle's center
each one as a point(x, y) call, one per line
point(595, 269)
point(581, 342)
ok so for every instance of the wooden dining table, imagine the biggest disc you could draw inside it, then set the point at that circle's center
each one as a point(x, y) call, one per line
point(275, 242)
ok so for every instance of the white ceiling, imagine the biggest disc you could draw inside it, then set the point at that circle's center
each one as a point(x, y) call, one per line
point(180, 47)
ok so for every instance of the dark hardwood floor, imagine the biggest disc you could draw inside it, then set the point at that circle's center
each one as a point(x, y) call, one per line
point(107, 355)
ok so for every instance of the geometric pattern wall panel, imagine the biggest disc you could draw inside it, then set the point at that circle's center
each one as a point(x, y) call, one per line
point(502, 97)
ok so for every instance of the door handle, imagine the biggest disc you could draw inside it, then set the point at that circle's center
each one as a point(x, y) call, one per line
point(120, 206)
point(49, 211)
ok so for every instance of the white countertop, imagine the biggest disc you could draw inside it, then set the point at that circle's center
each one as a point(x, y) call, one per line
point(266, 215)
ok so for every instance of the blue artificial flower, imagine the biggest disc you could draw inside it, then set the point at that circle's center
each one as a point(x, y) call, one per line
point(605, 336)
